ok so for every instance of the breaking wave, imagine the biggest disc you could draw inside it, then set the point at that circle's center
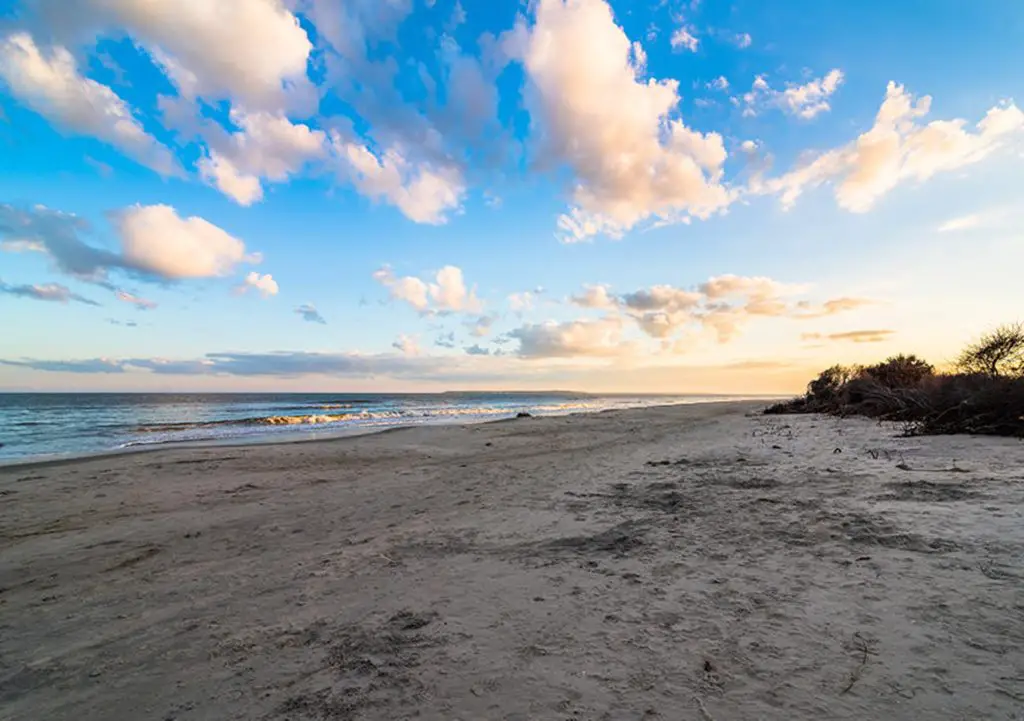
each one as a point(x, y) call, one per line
point(314, 419)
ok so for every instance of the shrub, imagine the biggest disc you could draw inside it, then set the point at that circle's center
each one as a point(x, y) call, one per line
point(825, 391)
point(998, 353)
point(986, 399)
point(900, 371)
point(970, 403)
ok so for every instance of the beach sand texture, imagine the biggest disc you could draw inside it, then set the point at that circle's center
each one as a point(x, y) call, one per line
point(691, 562)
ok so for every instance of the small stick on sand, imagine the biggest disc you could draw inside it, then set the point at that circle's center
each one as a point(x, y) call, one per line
point(705, 714)
point(390, 560)
point(855, 675)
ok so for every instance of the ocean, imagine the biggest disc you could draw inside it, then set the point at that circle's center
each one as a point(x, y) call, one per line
point(41, 425)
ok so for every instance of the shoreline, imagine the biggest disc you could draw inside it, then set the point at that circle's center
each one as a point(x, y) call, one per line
point(692, 560)
point(325, 435)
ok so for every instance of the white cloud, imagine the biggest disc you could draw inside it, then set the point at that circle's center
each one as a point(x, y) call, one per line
point(220, 172)
point(265, 284)
point(574, 338)
point(268, 146)
point(251, 51)
point(407, 345)
point(521, 301)
point(409, 289)
point(726, 286)
point(805, 101)
point(722, 305)
point(447, 294)
point(683, 38)
point(742, 40)
point(139, 303)
point(719, 83)
point(425, 193)
point(595, 296)
point(450, 292)
point(895, 149)
point(51, 84)
point(593, 110)
point(156, 240)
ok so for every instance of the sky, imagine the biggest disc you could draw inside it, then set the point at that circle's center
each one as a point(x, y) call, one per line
point(421, 195)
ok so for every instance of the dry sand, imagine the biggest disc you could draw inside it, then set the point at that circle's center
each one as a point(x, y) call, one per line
point(693, 562)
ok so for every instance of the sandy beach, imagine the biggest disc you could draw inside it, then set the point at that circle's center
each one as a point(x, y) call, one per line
point(691, 562)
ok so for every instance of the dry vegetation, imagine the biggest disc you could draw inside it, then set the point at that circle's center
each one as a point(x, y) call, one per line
point(983, 394)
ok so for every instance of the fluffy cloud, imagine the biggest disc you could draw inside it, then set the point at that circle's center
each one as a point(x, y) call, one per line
point(448, 292)
point(52, 292)
point(595, 296)
point(760, 288)
point(521, 301)
point(684, 39)
point(409, 289)
point(250, 51)
point(804, 101)
point(155, 243)
point(265, 284)
point(660, 310)
point(268, 146)
point(661, 297)
point(310, 314)
point(897, 148)
point(477, 350)
point(155, 240)
point(139, 303)
point(574, 338)
point(407, 345)
point(422, 141)
point(425, 193)
point(593, 110)
point(50, 84)
point(722, 305)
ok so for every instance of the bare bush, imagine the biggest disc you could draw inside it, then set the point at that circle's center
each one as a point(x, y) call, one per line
point(998, 353)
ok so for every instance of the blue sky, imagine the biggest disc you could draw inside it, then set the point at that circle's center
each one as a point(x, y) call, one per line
point(416, 194)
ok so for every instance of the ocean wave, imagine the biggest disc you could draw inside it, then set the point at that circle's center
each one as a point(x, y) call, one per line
point(365, 417)
point(280, 420)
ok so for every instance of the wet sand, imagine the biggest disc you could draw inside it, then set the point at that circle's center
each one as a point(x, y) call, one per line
point(689, 562)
